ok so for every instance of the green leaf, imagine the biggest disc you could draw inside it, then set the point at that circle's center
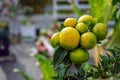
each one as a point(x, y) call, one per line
point(81, 71)
point(115, 40)
point(61, 27)
point(87, 67)
point(117, 48)
point(70, 73)
point(47, 71)
point(117, 68)
point(111, 50)
point(62, 71)
point(102, 10)
point(99, 66)
point(94, 66)
point(55, 78)
point(71, 78)
point(90, 73)
point(76, 9)
point(114, 2)
point(104, 58)
point(59, 56)
point(115, 52)
point(118, 14)
point(23, 74)
point(78, 66)
point(79, 76)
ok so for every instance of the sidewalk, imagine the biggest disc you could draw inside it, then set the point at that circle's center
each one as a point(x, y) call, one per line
point(23, 61)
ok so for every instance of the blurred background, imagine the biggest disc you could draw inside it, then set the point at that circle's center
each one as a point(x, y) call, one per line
point(26, 27)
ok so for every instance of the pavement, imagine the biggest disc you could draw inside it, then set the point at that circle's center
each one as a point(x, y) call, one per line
point(23, 61)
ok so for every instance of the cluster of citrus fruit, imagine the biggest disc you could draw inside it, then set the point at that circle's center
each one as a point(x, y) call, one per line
point(78, 36)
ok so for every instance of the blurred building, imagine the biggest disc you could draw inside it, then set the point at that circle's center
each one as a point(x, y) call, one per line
point(62, 8)
point(39, 6)
point(41, 13)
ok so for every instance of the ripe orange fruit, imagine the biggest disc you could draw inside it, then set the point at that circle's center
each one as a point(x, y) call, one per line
point(79, 55)
point(87, 19)
point(88, 40)
point(100, 30)
point(54, 41)
point(70, 22)
point(69, 38)
point(81, 27)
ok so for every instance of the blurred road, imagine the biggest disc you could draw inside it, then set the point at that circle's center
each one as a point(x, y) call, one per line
point(23, 61)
